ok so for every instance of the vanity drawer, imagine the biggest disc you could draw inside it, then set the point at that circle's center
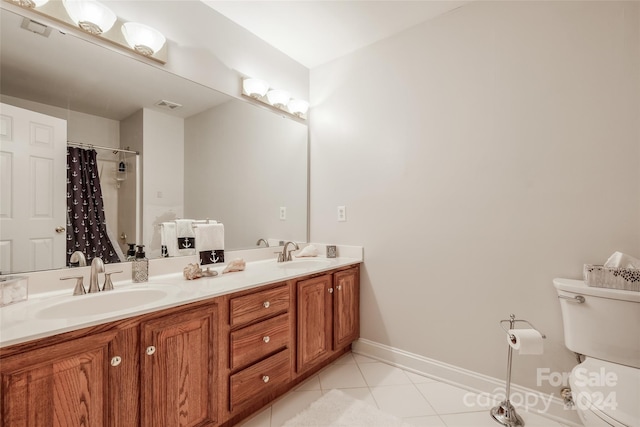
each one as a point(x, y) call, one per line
point(259, 305)
point(260, 379)
point(256, 341)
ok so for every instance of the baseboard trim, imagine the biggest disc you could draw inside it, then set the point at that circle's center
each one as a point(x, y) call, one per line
point(464, 378)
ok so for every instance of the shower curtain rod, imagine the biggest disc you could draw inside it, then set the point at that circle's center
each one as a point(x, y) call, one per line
point(99, 147)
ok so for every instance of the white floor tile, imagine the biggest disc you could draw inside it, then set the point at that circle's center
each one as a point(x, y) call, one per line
point(419, 379)
point(363, 359)
point(361, 393)
point(531, 419)
point(347, 358)
point(378, 373)
point(402, 401)
point(430, 421)
point(421, 401)
point(447, 399)
point(470, 419)
point(341, 376)
point(291, 405)
point(261, 419)
point(312, 383)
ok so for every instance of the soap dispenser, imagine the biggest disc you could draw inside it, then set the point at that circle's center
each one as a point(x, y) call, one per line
point(140, 266)
point(131, 253)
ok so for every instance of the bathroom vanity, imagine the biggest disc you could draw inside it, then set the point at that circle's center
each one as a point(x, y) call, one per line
point(221, 350)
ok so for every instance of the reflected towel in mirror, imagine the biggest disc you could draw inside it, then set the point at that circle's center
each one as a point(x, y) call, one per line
point(169, 239)
point(185, 236)
point(210, 243)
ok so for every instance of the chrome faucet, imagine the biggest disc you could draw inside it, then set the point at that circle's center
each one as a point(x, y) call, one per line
point(97, 266)
point(261, 240)
point(78, 257)
point(286, 255)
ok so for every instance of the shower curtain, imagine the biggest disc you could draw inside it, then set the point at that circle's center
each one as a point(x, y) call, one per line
point(86, 225)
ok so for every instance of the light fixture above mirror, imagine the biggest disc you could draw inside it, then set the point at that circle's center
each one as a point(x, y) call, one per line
point(90, 15)
point(142, 38)
point(96, 19)
point(259, 90)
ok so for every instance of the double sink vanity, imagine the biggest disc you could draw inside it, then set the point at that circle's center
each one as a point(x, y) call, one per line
point(173, 352)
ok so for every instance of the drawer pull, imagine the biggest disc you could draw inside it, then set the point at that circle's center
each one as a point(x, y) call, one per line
point(266, 339)
point(116, 360)
point(150, 350)
point(265, 379)
point(266, 304)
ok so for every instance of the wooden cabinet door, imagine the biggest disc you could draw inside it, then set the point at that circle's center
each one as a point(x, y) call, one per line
point(314, 321)
point(178, 362)
point(346, 307)
point(63, 385)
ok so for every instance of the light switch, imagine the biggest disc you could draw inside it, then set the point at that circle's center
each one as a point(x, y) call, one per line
point(342, 213)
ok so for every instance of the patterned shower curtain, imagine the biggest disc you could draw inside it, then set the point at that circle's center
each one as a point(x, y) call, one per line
point(86, 225)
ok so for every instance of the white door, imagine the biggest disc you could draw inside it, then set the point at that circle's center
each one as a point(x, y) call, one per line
point(32, 190)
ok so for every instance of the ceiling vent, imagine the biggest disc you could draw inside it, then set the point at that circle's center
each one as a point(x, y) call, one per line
point(36, 27)
point(168, 105)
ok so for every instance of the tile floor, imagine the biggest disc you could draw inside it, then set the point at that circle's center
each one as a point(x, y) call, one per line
point(420, 401)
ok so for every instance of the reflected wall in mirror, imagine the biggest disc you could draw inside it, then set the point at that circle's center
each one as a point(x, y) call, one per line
point(240, 171)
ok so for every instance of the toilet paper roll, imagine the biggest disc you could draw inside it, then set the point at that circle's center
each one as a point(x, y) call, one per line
point(526, 341)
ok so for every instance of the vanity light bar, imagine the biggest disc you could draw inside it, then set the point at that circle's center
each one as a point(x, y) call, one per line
point(94, 18)
point(259, 90)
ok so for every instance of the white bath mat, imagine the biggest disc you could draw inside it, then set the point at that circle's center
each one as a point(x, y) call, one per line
point(337, 409)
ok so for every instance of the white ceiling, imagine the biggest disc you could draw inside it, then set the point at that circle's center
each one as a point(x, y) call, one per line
point(314, 32)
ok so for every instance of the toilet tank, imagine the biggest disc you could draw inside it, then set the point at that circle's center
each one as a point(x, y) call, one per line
point(606, 325)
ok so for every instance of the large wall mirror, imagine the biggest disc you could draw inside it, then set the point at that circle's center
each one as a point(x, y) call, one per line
point(213, 157)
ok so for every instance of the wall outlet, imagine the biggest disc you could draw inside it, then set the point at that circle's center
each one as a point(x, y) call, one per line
point(283, 213)
point(342, 213)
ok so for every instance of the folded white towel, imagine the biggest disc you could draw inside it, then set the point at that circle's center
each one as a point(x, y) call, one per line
point(308, 251)
point(169, 238)
point(210, 243)
point(620, 260)
point(185, 236)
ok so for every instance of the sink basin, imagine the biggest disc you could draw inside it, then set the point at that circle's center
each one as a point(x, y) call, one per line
point(304, 264)
point(106, 302)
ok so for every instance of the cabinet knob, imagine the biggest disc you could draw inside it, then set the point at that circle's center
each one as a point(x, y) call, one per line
point(265, 379)
point(266, 339)
point(339, 287)
point(330, 290)
point(266, 304)
point(150, 350)
point(116, 360)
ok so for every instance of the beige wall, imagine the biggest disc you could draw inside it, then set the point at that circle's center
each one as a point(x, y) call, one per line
point(480, 155)
point(242, 163)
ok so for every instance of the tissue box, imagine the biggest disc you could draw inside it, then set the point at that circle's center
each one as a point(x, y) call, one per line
point(599, 276)
point(13, 289)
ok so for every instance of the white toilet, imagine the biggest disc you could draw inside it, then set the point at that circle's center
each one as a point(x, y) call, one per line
point(603, 325)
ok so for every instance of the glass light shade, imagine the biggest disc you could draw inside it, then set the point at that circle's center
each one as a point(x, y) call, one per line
point(90, 15)
point(143, 38)
point(255, 88)
point(278, 98)
point(298, 107)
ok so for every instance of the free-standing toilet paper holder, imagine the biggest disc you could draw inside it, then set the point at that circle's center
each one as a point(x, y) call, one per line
point(505, 413)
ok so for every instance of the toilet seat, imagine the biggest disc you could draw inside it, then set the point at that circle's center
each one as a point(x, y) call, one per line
point(608, 390)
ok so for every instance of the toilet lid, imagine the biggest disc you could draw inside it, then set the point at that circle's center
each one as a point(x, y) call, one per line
point(611, 391)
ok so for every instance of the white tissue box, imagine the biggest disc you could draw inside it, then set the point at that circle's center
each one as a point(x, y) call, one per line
point(13, 289)
point(599, 276)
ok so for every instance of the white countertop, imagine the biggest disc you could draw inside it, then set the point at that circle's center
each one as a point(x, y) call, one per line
point(22, 322)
